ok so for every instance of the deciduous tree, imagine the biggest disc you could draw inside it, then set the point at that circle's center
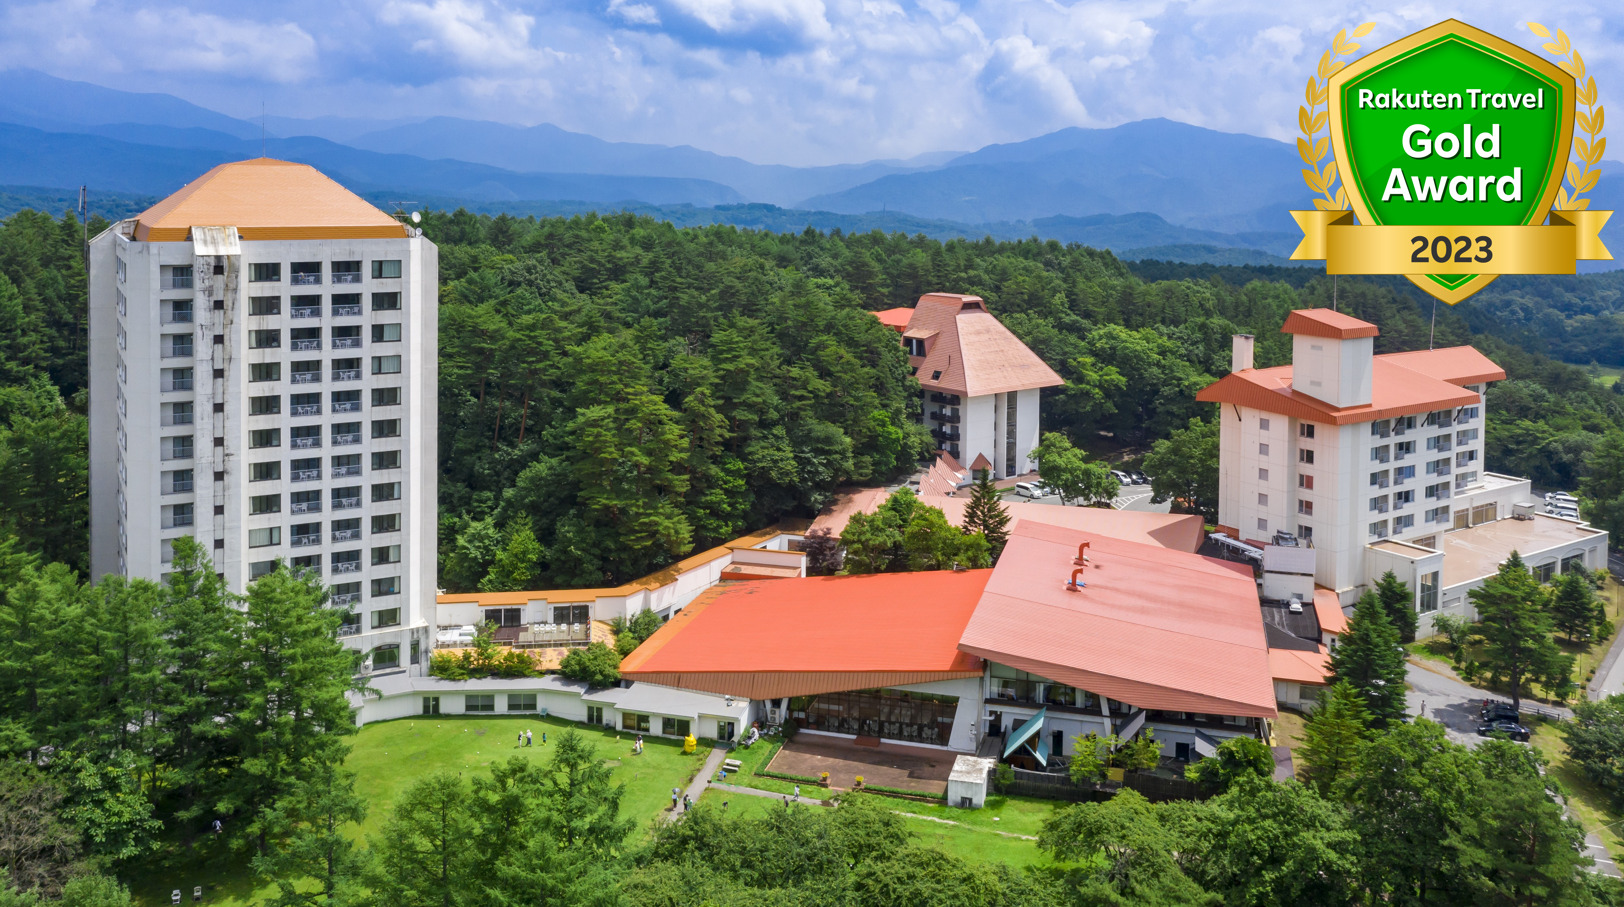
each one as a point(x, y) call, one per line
point(1183, 468)
point(1069, 471)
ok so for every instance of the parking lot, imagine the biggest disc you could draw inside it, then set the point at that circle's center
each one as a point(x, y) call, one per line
point(1129, 497)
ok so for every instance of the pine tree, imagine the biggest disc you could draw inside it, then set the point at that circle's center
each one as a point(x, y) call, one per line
point(426, 854)
point(515, 566)
point(1516, 628)
point(1400, 604)
point(1333, 735)
point(1369, 658)
point(987, 514)
point(1575, 609)
point(294, 676)
point(307, 826)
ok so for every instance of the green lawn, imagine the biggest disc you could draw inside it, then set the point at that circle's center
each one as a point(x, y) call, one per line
point(390, 755)
point(1587, 801)
point(1607, 375)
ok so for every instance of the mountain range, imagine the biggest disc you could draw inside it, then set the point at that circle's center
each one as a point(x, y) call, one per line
point(1150, 188)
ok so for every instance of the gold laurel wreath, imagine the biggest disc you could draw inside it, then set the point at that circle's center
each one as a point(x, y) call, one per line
point(1582, 171)
point(1311, 119)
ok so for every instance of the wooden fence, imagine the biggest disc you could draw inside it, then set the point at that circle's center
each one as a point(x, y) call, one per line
point(1055, 786)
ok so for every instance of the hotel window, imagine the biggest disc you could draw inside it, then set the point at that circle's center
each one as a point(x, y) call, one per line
point(1378, 504)
point(1438, 515)
point(431, 705)
point(1403, 474)
point(386, 396)
point(1263, 500)
point(1380, 454)
point(674, 727)
point(1305, 430)
point(1401, 523)
point(178, 447)
point(388, 617)
point(265, 371)
point(386, 333)
point(385, 428)
point(387, 657)
point(264, 340)
point(259, 568)
point(385, 365)
point(385, 302)
point(264, 406)
point(382, 268)
point(594, 714)
point(1262, 424)
point(385, 491)
point(263, 538)
point(1263, 475)
point(1429, 592)
point(1467, 414)
point(264, 272)
point(479, 702)
point(1306, 508)
point(386, 459)
point(265, 437)
point(1400, 498)
point(630, 721)
point(1378, 529)
point(389, 585)
point(386, 554)
point(265, 503)
point(1466, 436)
point(1262, 525)
point(385, 522)
point(264, 305)
point(1465, 457)
point(521, 702)
point(1306, 533)
point(1544, 572)
point(1304, 481)
point(1263, 450)
point(1573, 563)
point(1305, 457)
point(1403, 449)
point(265, 472)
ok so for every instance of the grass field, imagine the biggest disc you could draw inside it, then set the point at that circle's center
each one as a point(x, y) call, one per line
point(1587, 801)
point(389, 756)
point(1607, 375)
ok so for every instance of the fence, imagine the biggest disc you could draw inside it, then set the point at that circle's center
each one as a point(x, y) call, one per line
point(1055, 786)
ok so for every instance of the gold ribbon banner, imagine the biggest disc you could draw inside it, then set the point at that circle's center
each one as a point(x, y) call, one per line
point(1350, 248)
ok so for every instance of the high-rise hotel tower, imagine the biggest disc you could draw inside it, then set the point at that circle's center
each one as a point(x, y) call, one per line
point(263, 378)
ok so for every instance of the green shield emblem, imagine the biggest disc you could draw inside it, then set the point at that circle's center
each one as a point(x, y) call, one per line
point(1451, 126)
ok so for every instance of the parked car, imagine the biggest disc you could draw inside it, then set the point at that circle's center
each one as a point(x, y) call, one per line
point(1139, 478)
point(1509, 728)
point(1555, 496)
point(1122, 477)
point(1496, 710)
point(457, 634)
point(1029, 489)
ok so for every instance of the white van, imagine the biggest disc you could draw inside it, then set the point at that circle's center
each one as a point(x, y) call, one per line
point(1028, 490)
point(1561, 497)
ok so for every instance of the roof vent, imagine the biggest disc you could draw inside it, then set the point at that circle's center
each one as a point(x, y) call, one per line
point(1082, 555)
point(1076, 583)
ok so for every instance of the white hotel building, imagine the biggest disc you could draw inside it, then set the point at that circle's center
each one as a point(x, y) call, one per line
point(1376, 462)
point(263, 362)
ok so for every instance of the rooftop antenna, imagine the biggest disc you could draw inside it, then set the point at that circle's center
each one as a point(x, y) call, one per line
point(261, 127)
point(1432, 330)
point(1333, 292)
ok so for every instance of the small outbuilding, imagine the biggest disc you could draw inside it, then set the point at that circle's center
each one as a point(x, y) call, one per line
point(967, 785)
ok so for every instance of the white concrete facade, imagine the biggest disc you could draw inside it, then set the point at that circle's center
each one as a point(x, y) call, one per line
point(210, 419)
point(985, 428)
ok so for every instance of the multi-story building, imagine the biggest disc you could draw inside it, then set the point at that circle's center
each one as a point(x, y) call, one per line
point(980, 382)
point(263, 361)
point(1376, 462)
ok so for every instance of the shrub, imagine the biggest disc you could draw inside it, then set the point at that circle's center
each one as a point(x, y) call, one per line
point(597, 665)
point(1003, 776)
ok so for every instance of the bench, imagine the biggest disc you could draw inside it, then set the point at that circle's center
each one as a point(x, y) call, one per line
point(732, 765)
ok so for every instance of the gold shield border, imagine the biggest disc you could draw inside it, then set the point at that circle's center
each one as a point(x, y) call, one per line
point(1385, 54)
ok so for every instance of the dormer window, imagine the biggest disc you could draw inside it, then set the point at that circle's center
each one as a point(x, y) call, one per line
point(936, 375)
point(914, 345)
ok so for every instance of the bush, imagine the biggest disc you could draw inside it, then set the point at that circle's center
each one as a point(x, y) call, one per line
point(790, 730)
point(1003, 776)
point(597, 665)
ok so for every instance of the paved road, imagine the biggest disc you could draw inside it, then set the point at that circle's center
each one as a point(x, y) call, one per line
point(1610, 673)
point(1131, 497)
point(1447, 701)
point(696, 789)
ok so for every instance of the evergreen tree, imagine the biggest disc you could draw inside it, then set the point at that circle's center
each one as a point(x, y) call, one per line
point(1369, 658)
point(1576, 611)
point(1332, 736)
point(1534, 853)
point(987, 514)
point(426, 856)
point(516, 563)
point(307, 828)
point(582, 802)
point(597, 665)
point(1396, 597)
point(294, 677)
point(1514, 620)
point(1601, 487)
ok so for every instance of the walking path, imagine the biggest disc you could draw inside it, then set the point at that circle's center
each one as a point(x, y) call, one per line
point(1609, 677)
point(1007, 834)
point(696, 788)
point(753, 792)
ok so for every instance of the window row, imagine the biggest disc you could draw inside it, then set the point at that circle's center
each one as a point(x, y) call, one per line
point(309, 273)
point(482, 702)
point(308, 469)
point(342, 337)
point(308, 371)
point(304, 535)
point(308, 437)
point(344, 305)
point(310, 501)
point(309, 403)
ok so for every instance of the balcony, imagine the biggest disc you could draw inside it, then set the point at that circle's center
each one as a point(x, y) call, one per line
point(306, 280)
point(306, 311)
point(346, 503)
point(947, 417)
point(346, 374)
point(346, 343)
point(177, 351)
point(178, 419)
point(304, 443)
point(178, 488)
point(346, 535)
point(352, 437)
point(347, 311)
point(347, 406)
point(347, 629)
point(178, 521)
point(305, 507)
point(300, 346)
point(944, 436)
point(344, 472)
point(346, 566)
point(176, 384)
point(305, 541)
point(344, 600)
point(178, 317)
point(305, 409)
point(306, 377)
point(346, 277)
point(304, 475)
point(175, 282)
point(944, 399)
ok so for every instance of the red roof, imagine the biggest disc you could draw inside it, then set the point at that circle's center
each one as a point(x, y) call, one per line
point(970, 352)
point(1328, 609)
point(1455, 364)
point(1399, 385)
point(1327, 323)
point(1301, 666)
point(1156, 628)
point(795, 637)
point(895, 319)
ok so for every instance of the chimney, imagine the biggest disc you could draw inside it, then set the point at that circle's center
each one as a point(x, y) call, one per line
point(1240, 357)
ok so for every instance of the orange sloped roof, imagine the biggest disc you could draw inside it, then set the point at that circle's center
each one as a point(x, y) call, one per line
point(1454, 364)
point(1155, 628)
point(973, 351)
point(1395, 390)
point(895, 319)
point(1328, 610)
point(1327, 323)
point(1301, 666)
point(266, 199)
point(797, 637)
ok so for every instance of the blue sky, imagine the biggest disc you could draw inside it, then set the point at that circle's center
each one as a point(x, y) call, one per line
point(773, 81)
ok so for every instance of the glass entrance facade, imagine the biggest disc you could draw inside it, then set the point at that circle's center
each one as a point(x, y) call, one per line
point(889, 714)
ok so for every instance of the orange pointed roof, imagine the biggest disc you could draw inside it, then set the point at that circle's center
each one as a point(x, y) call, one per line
point(266, 199)
point(970, 352)
point(1401, 384)
point(896, 319)
point(1327, 323)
